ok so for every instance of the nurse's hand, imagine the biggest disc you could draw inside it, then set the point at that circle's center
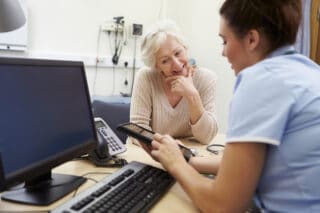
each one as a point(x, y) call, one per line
point(165, 149)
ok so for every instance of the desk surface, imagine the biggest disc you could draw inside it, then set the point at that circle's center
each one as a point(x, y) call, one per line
point(175, 200)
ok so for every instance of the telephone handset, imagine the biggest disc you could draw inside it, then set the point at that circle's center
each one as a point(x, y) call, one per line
point(108, 141)
point(108, 145)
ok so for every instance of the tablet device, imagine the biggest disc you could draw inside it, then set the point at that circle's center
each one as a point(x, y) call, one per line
point(146, 136)
point(134, 130)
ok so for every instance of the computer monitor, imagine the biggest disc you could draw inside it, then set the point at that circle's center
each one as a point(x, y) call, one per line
point(45, 120)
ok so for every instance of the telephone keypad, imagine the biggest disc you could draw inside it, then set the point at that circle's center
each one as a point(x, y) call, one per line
point(115, 145)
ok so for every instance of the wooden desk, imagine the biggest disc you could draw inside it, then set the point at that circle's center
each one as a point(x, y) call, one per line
point(175, 200)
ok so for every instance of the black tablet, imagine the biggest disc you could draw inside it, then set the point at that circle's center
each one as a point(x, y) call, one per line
point(146, 136)
point(134, 130)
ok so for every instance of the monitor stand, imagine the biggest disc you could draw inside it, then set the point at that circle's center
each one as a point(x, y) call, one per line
point(44, 190)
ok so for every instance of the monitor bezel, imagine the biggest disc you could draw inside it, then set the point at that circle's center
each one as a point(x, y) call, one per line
point(46, 165)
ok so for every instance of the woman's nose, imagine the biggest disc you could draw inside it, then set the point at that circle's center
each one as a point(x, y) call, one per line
point(176, 63)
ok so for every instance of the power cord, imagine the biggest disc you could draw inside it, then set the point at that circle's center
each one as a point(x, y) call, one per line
point(114, 79)
point(118, 42)
point(97, 61)
point(76, 190)
point(113, 63)
point(133, 64)
point(112, 161)
point(215, 148)
point(126, 73)
point(88, 178)
point(125, 94)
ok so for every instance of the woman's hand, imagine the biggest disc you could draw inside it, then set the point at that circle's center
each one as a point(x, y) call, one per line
point(182, 85)
point(165, 149)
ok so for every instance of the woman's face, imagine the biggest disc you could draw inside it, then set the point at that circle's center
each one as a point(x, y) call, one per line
point(233, 48)
point(171, 58)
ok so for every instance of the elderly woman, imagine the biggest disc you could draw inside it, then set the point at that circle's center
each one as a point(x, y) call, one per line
point(170, 96)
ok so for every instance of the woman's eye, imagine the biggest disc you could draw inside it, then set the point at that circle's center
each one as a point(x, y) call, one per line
point(177, 53)
point(164, 61)
point(224, 42)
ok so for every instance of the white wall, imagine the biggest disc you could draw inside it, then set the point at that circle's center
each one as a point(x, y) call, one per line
point(69, 29)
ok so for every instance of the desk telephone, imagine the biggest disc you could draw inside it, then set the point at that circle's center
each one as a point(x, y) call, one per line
point(108, 144)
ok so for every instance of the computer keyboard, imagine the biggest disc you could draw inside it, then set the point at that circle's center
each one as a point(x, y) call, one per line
point(136, 187)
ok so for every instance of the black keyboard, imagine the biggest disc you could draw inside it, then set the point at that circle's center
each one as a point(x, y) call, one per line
point(136, 187)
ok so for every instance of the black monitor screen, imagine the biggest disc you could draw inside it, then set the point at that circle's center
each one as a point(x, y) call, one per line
point(45, 116)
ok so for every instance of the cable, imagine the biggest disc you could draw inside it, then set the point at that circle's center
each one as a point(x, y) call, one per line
point(110, 44)
point(97, 60)
point(125, 94)
point(112, 161)
point(126, 73)
point(118, 41)
point(76, 190)
point(96, 173)
point(114, 79)
point(115, 57)
point(113, 68)
point(134, 63)
point(215, 148)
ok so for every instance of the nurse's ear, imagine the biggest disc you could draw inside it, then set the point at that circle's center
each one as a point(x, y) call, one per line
point(252, 40)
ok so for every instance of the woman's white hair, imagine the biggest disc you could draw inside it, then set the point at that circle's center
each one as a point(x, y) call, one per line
point(155, 37)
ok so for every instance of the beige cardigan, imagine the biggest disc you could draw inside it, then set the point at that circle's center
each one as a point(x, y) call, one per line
point(151, 108)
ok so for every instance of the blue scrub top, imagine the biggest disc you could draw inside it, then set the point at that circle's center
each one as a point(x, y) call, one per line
point(277, 102)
